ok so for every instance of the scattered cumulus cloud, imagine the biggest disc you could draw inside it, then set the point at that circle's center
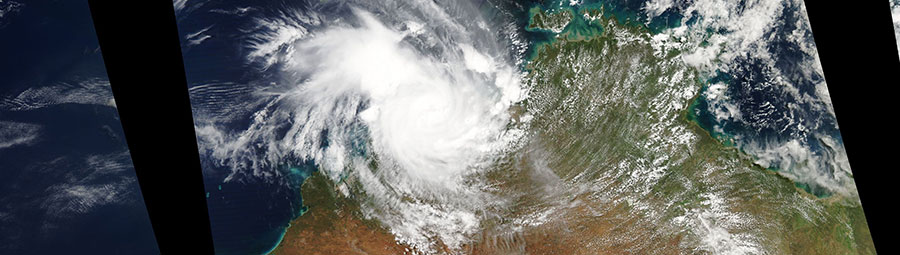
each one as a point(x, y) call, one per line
point(18, 134)
point(93, 91)
point(360, 88)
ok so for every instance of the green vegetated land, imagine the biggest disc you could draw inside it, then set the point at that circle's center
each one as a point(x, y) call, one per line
point(612, 165)
point(610, 120)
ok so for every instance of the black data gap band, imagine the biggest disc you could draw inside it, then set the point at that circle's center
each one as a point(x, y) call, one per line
point(859, 58)
point(141, 50)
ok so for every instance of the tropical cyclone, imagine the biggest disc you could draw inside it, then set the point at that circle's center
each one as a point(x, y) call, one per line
point(434, 128)
point(432, 118)
point(398, 116)
point(429, 121)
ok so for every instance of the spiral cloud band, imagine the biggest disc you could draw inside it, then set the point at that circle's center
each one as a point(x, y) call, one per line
point(426, 98)
point(431, 117)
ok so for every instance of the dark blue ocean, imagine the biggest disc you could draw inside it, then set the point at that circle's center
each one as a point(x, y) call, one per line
point(771, 112)
point(68, 186)
point(248, 213)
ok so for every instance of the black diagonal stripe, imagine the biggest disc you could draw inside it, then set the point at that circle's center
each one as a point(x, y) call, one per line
point(856, 46)
point(141, 50)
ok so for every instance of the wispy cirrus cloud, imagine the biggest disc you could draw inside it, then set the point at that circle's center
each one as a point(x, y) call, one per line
point(18, 133)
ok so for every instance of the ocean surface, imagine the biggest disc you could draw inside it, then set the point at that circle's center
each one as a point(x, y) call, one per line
point(250, 216)
point(780, 101)
point(67, 184)
point(249, 213)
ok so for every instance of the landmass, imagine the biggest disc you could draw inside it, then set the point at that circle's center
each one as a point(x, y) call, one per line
point(614, 165)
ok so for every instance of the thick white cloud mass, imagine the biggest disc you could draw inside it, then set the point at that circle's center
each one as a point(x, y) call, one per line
point(399, 103)
point(433, 119)
point(369, 88)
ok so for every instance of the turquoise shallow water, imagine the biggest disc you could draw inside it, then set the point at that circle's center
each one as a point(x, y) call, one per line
point(628, 13)
point(737, 133)
point(768, 115)
point(251, 216)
